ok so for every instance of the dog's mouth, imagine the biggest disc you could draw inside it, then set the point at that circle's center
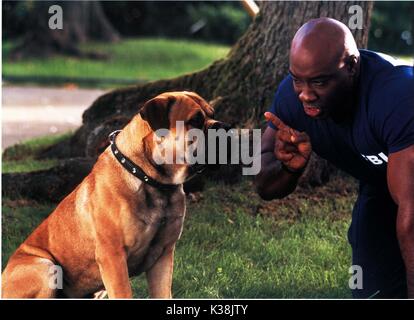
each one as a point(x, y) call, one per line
point(217, 156)
point(196, 169)
point(212, 161)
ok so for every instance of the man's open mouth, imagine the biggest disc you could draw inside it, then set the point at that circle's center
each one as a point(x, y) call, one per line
point(312, 111)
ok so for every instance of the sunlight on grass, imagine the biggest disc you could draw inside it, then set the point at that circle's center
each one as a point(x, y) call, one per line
point(30, 147)
point(146, 59)
point(21, 157)
point(27, 165)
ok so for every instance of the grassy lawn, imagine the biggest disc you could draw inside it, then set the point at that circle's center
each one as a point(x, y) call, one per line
point(20, 157)
point(135, 58)
point(235, 245)
point(144, 58)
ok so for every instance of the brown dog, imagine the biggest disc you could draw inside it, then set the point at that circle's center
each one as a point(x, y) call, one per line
point(123, 219)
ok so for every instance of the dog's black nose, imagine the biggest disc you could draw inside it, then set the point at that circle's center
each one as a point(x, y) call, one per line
point(220, 125)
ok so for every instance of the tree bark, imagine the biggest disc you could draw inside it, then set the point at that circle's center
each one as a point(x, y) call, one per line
point(241, 86)
point(82, 21)
point(47, 185)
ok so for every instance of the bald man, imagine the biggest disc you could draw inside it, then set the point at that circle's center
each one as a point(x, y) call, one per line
point(354, 108)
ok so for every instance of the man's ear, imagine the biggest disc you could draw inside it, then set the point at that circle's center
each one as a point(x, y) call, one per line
point(156, 112)
point(352, 64)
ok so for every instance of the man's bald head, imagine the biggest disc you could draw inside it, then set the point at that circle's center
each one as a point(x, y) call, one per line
point(324, 65)
point(323, 39)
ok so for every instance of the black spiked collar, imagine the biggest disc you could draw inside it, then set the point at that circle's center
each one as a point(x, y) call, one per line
point(134, 169)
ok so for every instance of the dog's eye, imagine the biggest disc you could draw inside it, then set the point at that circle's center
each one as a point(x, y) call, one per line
point(197, 121)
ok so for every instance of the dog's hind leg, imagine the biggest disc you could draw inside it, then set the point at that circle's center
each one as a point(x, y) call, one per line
point(29, 277)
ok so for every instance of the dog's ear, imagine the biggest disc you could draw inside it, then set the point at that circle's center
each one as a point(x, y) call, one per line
point(156, 112)
point(204, 105)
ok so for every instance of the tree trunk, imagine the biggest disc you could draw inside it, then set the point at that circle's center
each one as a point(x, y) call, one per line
point(87, 21)
point(241, 86)
point(47, 185)
point(82, 21)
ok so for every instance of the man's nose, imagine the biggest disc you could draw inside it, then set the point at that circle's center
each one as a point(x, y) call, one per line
point(307, 95)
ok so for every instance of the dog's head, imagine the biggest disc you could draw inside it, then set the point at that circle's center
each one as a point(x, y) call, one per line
point(179, 125)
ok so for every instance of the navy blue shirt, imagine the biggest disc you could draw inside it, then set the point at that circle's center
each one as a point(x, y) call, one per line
point(383, 122)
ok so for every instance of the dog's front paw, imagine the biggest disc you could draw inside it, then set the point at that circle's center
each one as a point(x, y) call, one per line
point(100, 294)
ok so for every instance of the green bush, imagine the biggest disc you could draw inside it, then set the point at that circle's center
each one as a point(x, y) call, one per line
point(225, 23)
point(391, 27)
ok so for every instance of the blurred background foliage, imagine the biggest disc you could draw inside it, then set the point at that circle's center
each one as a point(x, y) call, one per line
point(215, 21)
point(392, 27)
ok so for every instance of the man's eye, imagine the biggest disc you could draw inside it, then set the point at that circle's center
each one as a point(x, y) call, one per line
point(296, 81)
point(319, 83)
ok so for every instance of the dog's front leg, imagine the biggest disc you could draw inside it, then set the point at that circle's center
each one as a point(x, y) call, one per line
point(114, 271)
point(159, 276)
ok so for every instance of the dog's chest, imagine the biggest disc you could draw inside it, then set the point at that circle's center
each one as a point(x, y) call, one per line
point(157, 221)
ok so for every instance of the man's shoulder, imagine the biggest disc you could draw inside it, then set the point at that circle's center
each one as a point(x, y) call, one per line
point(386, 100)
point(382, 58)
point(381, 72)
point(385, 82)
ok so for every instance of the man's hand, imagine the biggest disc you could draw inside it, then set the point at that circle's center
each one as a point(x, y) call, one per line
point(292, 148)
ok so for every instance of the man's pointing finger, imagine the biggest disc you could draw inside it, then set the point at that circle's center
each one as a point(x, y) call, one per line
point(275, 120)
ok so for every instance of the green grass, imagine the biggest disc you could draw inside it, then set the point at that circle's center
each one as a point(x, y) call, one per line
point(236, 246)
point(27, 165)
point(229, 250)
point(144, 58)
point(19, 219)
point(21, 157)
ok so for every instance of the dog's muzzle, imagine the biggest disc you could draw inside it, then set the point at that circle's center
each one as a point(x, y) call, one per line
point(218, 143)
point(219, 125)
point(199, 168)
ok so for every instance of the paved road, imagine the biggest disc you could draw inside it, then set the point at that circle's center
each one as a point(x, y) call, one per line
point(29, 112)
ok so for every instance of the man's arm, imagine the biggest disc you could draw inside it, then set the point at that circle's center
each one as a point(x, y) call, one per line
point(286, 146)
point(400, 174)
point(272, 182)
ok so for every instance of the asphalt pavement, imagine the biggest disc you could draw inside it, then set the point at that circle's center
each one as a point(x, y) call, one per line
point(29, 112)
